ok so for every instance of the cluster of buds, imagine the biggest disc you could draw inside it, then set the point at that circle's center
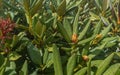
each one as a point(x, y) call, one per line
point(6, 26)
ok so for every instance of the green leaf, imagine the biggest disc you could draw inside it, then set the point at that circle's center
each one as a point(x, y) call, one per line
point(63, 32)
point(14, 41)
point(94, 16)
point(24, 70)
point(105, 20)
point(96, 63)
point(96, 51)
point(81, 71)
point(2, 71)
point(34, 53)
point(67, 27)
point(57, 61)
point(62, 8)
point(73, 4)
point(36, 7)
point(105, 31)
point(71, 64)
point(45, 56)
point(89, 67)
point(104, 65)
point(98, 3)
point(82, 42)
point(118, 54)
point(26, 4)
point(10, 69)
point(97, 27)
point(39, 29)
point(2, 68)
point(14, 56)
point(75, 24)
point(1, 60)
point(52, 7)
point(118, 72)
point(112, 69)
point(84, 31)
point(111, 41)
point(105, 5)
point(7, 4)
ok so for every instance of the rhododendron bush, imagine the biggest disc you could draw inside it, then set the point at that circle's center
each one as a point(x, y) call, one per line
point(59, 37)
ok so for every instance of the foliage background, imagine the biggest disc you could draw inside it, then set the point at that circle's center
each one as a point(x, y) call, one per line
point(60, 37)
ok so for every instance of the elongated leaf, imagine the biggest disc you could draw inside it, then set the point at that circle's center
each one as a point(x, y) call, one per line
point(104, 65)
point(98, 3)
point(89, 67)
point(94, 16)
point(36, 7)
point(118, 54)
point(112, 69)
point(105, 5)
point(11, 6)
point(96, 51)
point(86, 40)
point(34, 54)
point(73, 4)
point(71, 64)
point(111, 41)
point(52, 7)
point(26, 4)
point(24, 70)
point(39, 29)
point(1, 60)
point(75, 24)
point(81, 71)
point(63, 32)
point(118, 72)
point(97, 27)
point(105, 21)
point(57, 61)
point(62, 8)
point(15, 41)
point(106, 30)
point(2, 68)
point(45, 56)
point(2, 71)
point(67, 27)
point(84, 31)
point(14, 56)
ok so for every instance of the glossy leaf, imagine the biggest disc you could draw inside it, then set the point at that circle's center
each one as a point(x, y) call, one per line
point(24, 70)
point(67, 27)
point(106, 63)
point(84, 31)
point(63, 32)
point(98, 27)
point(36, 7)
point(75, 24)
point(57, 61)
point(81, 71)
point(34, 53)
point(112, 69)
point(14, 56)
point(71, 64)
point(61, 8)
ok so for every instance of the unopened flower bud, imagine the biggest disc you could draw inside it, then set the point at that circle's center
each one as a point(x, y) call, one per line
point(74, 38)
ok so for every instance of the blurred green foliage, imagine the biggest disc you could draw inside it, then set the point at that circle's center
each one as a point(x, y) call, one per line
point(61, 37)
